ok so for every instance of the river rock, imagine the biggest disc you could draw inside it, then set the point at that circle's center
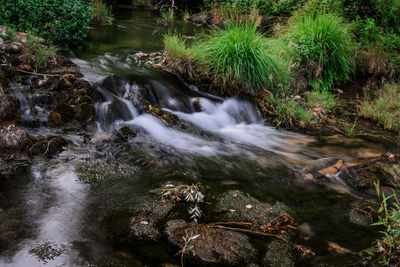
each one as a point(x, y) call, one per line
point(363, 177)
point(48, 146)
point(128, 227)
point(85, 113)
point(13, 138)
point(62, 113)
point(213, 245)
point(236, 206)
point(279, 254)
point(9, 111)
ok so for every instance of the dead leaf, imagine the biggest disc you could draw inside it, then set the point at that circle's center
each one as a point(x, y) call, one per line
point(338, 166)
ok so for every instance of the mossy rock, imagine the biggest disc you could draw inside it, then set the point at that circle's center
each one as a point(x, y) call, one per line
point(66, 111)
point(127, 227)
point(278, 254)
point(13, 139)
point(9, 110)
point(85, 113)
point(236, 206)
point(213, 245)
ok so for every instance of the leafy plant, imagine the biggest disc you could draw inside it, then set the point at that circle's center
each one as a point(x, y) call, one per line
point(388, 248)
point(193, 195)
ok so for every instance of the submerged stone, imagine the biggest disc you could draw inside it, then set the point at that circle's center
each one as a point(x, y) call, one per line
point(128, 227)
point(236, 206)
point(212, 245)
point(279, 254)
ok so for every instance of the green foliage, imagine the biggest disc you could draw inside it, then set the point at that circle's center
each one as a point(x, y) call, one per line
point(55, 20)
point(385, 108)
point(388, 248)
point(240, 59)
point(325, 47)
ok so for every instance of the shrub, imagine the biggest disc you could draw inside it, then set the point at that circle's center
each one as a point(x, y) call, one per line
point(240, 59)
point(55, 20)
point(325, 47)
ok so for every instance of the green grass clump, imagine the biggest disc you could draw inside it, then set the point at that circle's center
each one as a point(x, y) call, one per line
point(325, 47)
point(288, 112)
point(385, 108)
point(240, 59)
point(322, 98)
point(102, 14)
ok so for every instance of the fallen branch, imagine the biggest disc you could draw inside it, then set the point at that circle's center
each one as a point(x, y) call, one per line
point(40, 74)
point(245, 231)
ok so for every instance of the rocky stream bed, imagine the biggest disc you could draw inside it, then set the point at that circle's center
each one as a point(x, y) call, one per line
point(99, 152)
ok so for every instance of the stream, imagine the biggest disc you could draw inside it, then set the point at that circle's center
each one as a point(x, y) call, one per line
point(59, 207)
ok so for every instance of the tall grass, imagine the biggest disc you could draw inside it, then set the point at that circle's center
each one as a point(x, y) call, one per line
point(385, 108)
point(240, 59)
point(141, 2)
point(325, 47)
point(102, 14)
point(322, 98)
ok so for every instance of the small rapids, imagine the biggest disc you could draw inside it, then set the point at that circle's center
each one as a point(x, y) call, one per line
point(218, 127)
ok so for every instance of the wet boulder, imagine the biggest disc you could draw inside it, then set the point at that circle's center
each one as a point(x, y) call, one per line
point(62, 113)
point(236, 206)
point(278, 254)
point(85, 113)
point(212, 245)
point(13, 138)
point(364, 177)
point(127, 227)
point(48, 146)
point(9, 111)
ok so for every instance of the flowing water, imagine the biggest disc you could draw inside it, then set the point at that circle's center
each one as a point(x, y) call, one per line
point(60, 206)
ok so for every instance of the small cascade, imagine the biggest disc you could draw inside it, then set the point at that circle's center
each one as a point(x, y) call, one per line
point(231, 125)
point(35, 105)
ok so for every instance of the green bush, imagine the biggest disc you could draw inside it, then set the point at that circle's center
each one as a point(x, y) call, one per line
point(325, 48)
point(240, 59)
point(55, 20)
